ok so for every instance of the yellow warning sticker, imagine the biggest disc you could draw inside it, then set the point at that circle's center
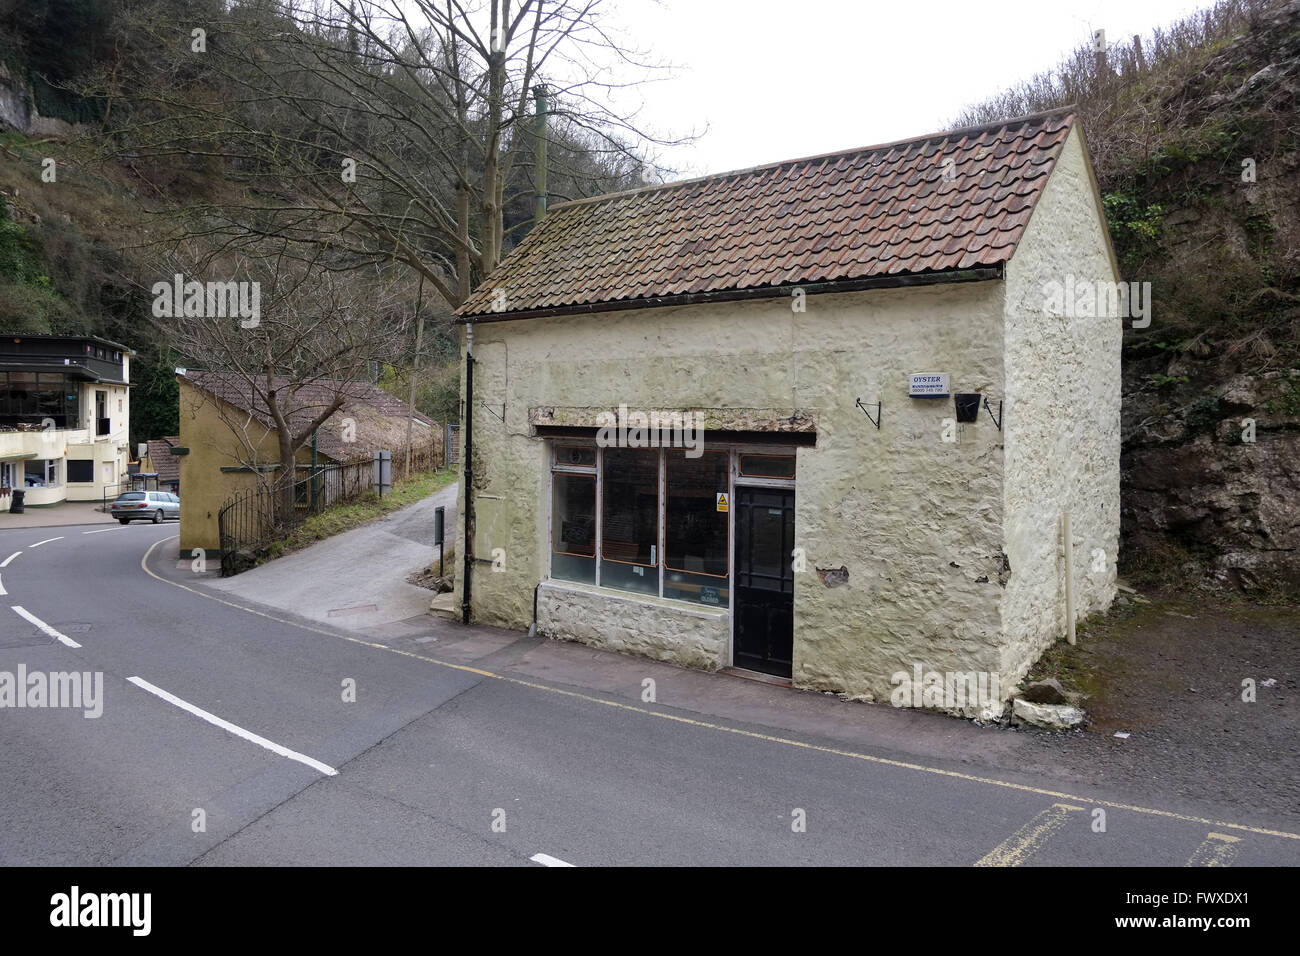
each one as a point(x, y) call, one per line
point(722, 501)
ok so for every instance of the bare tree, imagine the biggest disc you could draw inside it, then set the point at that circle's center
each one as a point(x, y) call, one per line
point(286, 371)
point(385, 130)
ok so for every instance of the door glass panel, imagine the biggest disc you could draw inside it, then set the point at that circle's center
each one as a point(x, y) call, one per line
point(764, 601)
point(769, 524)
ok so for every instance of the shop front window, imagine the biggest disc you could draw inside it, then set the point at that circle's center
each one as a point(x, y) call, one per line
point(612, 525)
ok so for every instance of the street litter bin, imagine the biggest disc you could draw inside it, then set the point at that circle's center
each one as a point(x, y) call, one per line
point(16, 506)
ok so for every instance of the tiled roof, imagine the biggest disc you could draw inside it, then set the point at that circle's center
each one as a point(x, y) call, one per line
point(379, 418)
point(167, 465)
point(949, 201)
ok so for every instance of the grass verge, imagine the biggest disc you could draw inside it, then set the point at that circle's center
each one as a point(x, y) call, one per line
point(360, 511)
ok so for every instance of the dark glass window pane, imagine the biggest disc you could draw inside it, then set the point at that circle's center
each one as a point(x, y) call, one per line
point(573, 527)
point(767, 466)
point(575, 455)
point(696, 543)
point(630, 520)
point(81, 470)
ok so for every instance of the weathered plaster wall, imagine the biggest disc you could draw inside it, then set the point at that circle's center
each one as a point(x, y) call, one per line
point(204, 486)
point(110, 452)
point(915, 519)
point(1062, 420)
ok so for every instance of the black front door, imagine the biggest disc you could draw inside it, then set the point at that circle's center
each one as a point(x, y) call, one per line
point(764, 635)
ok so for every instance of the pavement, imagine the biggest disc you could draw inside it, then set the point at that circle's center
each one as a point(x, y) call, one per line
point(56, 516)
point(357, 578)
point(237, 732)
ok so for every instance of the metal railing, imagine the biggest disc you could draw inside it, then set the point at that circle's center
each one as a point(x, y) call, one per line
point(111, 492)
point(245, 526)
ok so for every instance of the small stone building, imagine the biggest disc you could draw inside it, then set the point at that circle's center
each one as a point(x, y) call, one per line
point(902, 381)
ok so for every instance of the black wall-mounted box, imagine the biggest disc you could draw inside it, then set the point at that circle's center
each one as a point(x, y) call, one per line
point(968, 406)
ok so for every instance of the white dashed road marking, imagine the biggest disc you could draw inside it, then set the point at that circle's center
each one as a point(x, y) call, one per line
point(29, 616)
point(234, 728)
point(46, 541)
point(545, 860)
point(5, 562)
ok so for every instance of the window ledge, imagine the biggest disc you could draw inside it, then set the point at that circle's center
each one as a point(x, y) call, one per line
point(631, 597)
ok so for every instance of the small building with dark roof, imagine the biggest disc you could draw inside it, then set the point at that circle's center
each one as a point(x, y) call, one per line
point(228, 439)
point(823, 419)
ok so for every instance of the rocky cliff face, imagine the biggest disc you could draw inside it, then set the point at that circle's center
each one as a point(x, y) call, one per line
point(1212, 485)
point(1211, 420)
point(18, 110)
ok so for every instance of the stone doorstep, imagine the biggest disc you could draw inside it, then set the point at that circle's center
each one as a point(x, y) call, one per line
point(756, 676)
point(444, 605)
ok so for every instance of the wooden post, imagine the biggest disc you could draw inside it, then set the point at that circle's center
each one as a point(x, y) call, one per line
point(1069, 577)
point(540, 134)
point(415, 371)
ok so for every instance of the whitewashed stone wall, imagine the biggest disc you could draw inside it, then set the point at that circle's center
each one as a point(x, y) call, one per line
point(1062, 421)
point(916, 520)
point(651, 627)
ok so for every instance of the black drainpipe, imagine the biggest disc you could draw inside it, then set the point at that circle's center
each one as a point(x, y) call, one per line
point(532, 630)
point(467, 467)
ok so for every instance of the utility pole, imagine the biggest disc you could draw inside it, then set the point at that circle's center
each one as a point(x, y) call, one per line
point(539, 213)
point(415, 371)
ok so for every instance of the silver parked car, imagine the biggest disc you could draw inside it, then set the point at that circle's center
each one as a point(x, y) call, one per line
point(154, 505)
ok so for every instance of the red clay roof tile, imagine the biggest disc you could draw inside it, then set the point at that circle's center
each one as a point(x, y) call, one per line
point(953, 200)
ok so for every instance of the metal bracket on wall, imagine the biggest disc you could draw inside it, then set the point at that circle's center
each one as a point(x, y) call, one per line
point(988, 408)
point(875, 421)
point(501, 417)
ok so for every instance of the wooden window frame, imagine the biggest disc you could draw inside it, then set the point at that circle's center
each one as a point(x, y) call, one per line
point(733, 452)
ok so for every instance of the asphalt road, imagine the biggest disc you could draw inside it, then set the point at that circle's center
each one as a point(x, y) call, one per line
point(236, 719)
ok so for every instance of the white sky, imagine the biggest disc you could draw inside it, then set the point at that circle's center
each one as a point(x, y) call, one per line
point(780, 79)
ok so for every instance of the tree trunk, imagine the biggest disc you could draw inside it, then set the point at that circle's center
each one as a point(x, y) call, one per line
point(491, 226)
point(288, 476)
